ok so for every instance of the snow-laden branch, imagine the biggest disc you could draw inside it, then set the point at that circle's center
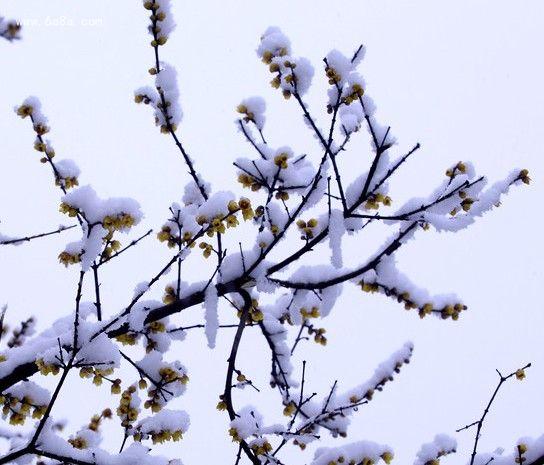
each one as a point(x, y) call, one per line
point(290, 196)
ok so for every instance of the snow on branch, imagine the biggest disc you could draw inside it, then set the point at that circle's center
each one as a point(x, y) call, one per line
point(293, 202)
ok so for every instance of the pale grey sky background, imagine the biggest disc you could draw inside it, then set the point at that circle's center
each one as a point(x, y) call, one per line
point(464, 78)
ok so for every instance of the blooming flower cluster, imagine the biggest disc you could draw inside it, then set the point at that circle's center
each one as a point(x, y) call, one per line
point(65, 171)
point(167, 425)
point(291, 74)
point(24, 401)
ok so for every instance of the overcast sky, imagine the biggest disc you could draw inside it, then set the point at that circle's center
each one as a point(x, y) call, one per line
point(463, 78)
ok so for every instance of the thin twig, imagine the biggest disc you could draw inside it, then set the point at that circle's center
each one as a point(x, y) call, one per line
point(36, 236)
